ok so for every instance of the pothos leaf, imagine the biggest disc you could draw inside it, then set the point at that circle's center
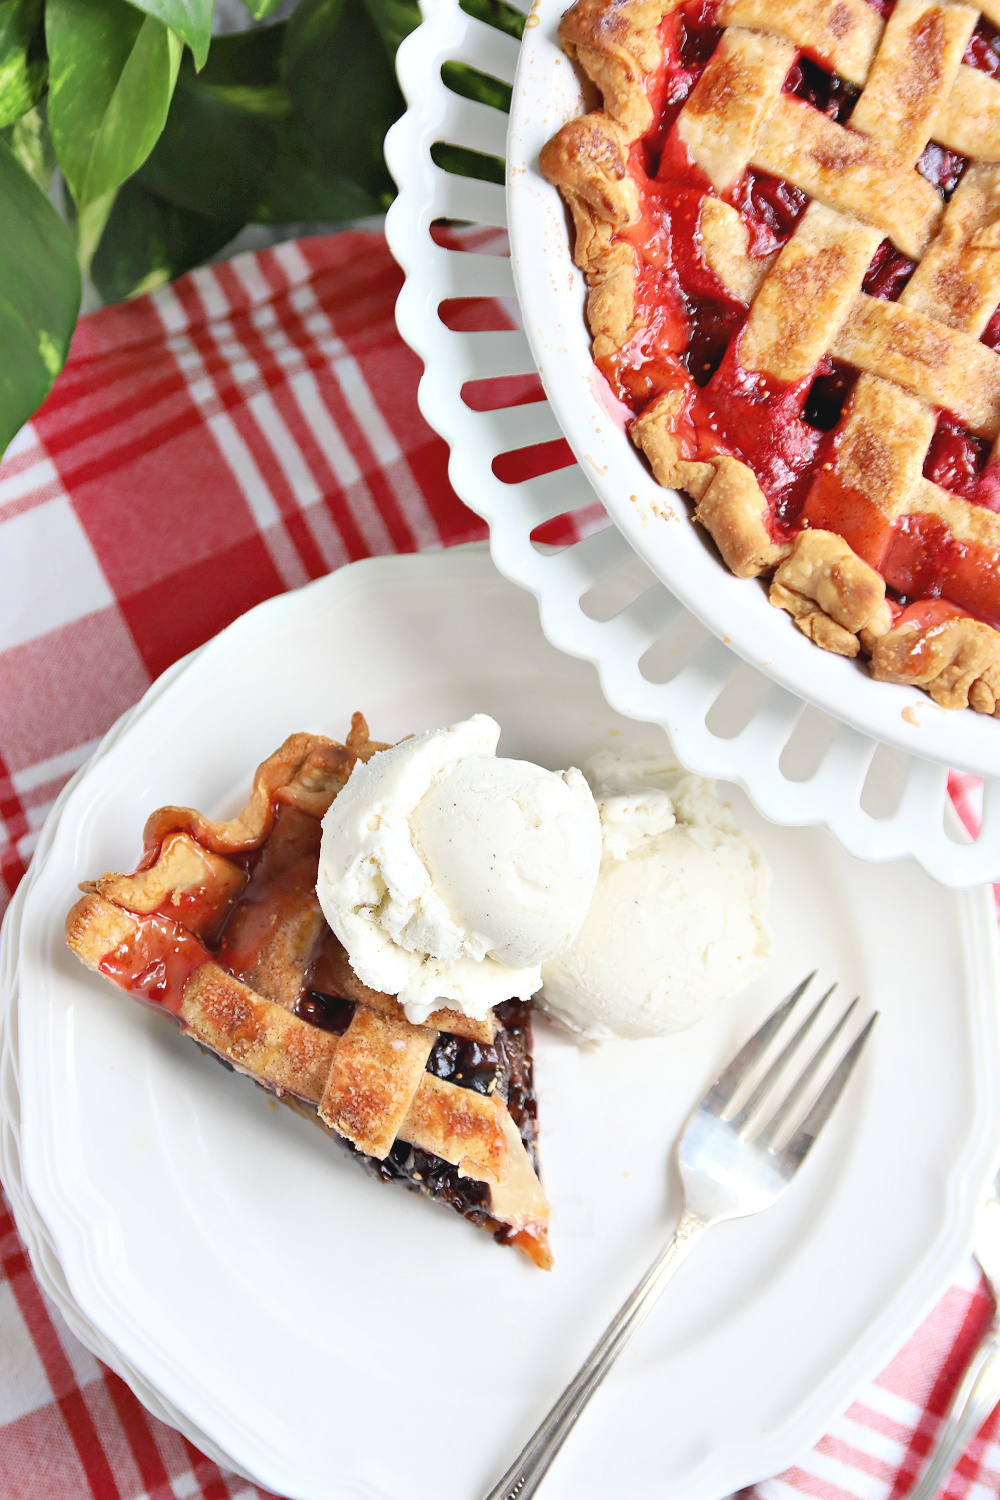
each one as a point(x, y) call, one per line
point(190, 19)
point(29, 140)
point(472, 84)
point(462, 162)
point(496, 13)
point(39, 295)
point(111, 76)
point(245, 58)
point(232, 150)
point(214, 152)
point(345, 125)
point(148, 242)
point(296, 189)
point(394, 19)
point(23, 67)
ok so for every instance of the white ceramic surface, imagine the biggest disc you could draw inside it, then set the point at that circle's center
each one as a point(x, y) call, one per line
point(597, 599)
point(325, 1331)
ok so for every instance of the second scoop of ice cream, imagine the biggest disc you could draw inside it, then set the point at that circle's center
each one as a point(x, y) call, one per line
point(677, 924)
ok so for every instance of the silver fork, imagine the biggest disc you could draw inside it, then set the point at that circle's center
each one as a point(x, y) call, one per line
point(732, 1163)
point(978, 1391)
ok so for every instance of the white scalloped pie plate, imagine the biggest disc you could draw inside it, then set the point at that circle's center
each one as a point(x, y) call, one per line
point(597, 598)
point(342, 1339)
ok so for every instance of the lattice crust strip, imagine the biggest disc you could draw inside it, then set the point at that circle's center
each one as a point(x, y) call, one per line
point(916, 358)
point(233, 949)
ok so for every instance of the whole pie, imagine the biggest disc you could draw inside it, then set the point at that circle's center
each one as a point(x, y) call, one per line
point(788, 212)
point(220, 928)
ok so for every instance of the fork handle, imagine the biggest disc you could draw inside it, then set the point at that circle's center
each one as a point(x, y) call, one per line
point(976, 1396)
point(532, 1463)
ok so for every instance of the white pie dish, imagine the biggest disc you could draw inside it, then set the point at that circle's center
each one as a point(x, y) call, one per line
point(656, 521)
point(308, 1321)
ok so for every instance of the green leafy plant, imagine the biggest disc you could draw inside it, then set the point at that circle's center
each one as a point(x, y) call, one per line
point(134, 145)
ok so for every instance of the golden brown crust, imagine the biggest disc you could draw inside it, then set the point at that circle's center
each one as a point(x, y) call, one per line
point(728, 108)
point(182, 866)
point(307, 771)
point(822, 568)
point(616, 44)
point(255, 1035)
point(912, 75)
point(731, 505)
point(376, 1070)
point(808, 294)
point(725, 241)
point(943, 366)
point(95, 927)
point(829, 592)
point(844, 33)
point(984, 694)
point(588, 160)
point(880, 442)
point(970, 120)
point(733, 511)
point(656, 432)
point(946, 659)
point(846, 170)
point(461, 1126)
point(958, 280)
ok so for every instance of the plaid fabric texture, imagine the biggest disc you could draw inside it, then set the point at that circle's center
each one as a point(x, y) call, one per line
point(229, 437)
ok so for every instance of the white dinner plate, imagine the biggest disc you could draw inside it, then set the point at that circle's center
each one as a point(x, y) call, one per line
point(551, 291)
point(343, 1339)
point(48, 1271)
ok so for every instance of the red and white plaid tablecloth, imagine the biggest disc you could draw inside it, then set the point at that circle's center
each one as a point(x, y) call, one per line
point(234, 435)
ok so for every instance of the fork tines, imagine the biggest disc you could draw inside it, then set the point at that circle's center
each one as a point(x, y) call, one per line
point(792, 1086)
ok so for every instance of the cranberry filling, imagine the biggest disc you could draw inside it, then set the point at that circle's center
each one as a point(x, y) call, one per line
point(698, 35)
point(991, 333)
point(888, 273)
point(828, 395)
point(983, 51)
point(713, 325)
point(328, 1012)
point(942, 168)
point(831, 95)
point(925, 561)
point(955, 458)
point(771, 207)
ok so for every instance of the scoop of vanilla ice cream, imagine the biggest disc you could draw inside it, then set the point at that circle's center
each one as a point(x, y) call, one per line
point(450, 875)
point(677, 924)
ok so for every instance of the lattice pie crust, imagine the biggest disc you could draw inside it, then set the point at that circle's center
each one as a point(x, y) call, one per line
point(221, 927)
point(720, 188)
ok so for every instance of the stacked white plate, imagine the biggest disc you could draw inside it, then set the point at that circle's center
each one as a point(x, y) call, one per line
point(333, 1338)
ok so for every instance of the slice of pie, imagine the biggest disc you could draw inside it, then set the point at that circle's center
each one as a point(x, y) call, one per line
point(788, 212)
point(220, 927)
